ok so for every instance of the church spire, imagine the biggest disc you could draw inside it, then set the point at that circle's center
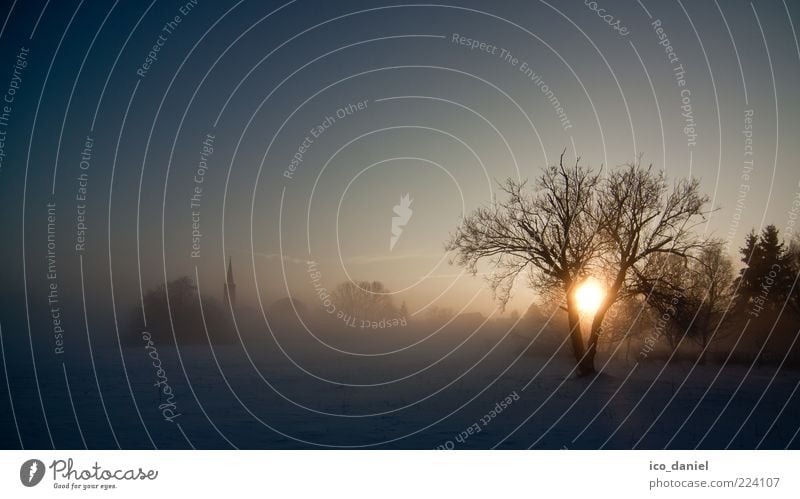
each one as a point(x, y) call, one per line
point(229, 288)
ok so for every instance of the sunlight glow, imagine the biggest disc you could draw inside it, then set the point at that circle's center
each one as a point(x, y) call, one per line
point(589, 295)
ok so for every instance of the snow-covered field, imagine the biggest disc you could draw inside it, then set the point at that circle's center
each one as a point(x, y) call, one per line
point(464, 393)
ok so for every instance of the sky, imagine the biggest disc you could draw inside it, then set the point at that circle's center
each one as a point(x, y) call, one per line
point(374, 101)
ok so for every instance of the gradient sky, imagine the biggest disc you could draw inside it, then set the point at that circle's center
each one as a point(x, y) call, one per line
point(440, 121)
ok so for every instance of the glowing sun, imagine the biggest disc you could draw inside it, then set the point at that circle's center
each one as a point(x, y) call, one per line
point(589, 295)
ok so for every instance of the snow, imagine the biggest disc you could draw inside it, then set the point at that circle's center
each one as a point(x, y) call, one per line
point(426, 396)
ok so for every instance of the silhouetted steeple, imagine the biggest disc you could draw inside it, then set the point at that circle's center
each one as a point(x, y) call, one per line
point(229, 288)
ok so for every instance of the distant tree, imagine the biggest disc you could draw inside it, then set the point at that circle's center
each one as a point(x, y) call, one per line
point(174, 307)
point(766, 280)
point(784, 340)
point(662, 285)
point(772, 248)
point(364, 300)
point(182, 294)
point(776, 264)
point(695, 298)
point(769, 291)
point(710, 296)
point(793, 265)
point(748, 275)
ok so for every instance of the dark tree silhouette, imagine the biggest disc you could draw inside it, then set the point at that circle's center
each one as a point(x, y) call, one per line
point(551, 231)
point(712, 293)
point(748, 275)
point(642, 216)
point(662, 285)
point(183, 316)
point(575, 222)
point(793, 264)
point(766, 280)
point(403, 311)
point(699, 298)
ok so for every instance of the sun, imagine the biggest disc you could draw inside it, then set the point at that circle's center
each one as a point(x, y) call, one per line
point(589, 295)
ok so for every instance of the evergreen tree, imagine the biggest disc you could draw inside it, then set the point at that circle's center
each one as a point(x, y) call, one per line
point(793, 264)
point(774, 272)
point(772, 249)
point(748, 275)
point(766, 278)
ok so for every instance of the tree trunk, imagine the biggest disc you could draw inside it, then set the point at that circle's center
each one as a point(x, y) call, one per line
point(597, 324)
point(584, 366)
point(594, 335)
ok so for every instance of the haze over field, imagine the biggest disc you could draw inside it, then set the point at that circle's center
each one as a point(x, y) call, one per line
point(305, 224)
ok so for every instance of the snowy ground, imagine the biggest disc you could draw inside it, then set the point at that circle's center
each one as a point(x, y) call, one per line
point(421, 397)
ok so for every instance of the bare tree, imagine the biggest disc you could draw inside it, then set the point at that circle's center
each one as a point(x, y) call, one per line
point(551, 232)
point(711, 293)
point(576, 223)
point(696, 294)
point(364, 300)
point(642, 216)
point(662, 284)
